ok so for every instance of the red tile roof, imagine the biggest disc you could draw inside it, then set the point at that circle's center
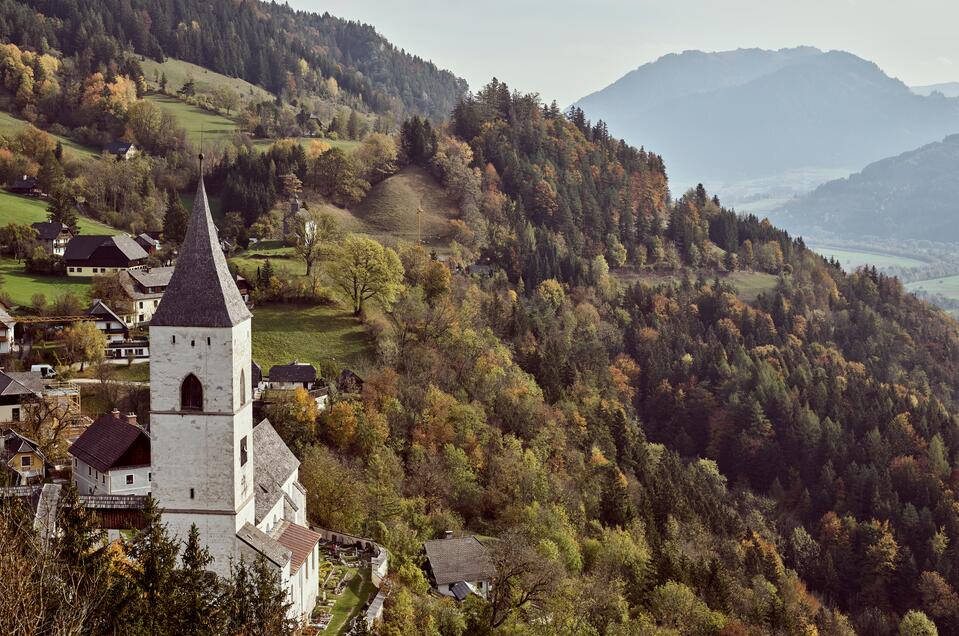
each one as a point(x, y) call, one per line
point(300, 541)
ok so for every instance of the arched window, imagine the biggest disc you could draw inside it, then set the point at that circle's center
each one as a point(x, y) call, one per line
point(242, 387)
point(191, 394)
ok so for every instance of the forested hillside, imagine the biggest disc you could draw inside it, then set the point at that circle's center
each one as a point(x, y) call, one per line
point(267, 44)
point(911, 196)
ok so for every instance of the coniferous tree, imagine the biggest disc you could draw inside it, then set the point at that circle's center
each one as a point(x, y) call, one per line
point(151, 574)
point(62, 207)
point(175, 221)
point(198, 610)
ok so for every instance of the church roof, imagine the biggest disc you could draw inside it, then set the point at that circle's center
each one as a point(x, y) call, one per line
point(202, 293)
point(299, 541)
point(273, 464)
point(266, 545)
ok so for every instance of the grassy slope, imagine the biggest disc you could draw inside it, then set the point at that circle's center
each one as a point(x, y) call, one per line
point(282, 333)
point(177, 72)
point(196, 121)
point(349, 603)
point(26, 210)
point(748, 284)
point(10, 126)
point(391, 207)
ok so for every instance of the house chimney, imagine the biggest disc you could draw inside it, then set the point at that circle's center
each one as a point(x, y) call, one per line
point(115, 413)
point(132, 418)
point(448, 534)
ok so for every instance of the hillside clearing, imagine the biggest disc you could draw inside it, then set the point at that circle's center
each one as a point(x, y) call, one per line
point(196, 121)
point(391, 207)
point(749, 285)
point(27, 210)
point(10, 126)
point(177, 72)
point(282, 333)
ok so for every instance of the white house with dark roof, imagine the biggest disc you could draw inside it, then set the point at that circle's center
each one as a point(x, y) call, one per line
point(211, 467)
point(52, 236)
point(108, 322)
point(18, 391)
point(460, 566)
point(89, 255)
point(295, 375)
point(112, 457)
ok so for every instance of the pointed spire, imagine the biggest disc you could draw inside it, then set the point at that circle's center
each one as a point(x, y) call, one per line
point(202, 292)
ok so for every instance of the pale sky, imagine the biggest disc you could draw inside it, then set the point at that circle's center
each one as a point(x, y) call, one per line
point(565, 49)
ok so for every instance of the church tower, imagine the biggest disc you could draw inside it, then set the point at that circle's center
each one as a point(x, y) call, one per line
point(201, 420)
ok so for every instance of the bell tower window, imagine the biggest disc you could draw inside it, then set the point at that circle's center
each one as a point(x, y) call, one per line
point(191, 394)
point(242, 387)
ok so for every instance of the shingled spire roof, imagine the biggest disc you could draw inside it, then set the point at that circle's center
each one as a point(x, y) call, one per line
point(202, 293)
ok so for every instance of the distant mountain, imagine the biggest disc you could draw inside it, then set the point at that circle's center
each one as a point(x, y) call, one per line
point(949, 89)
point(749, 114)
point(912, 196)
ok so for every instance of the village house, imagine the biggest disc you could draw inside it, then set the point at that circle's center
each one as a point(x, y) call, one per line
point(26, 186)
point(144, 288)
point(96, 254)
point(53, 237)
point(18, 390)
point(135, 349)
point(122, 150)
point(112, 457)
point(22, 458)
point(108, 322)
point(8, 326)
point(460, 566)
point(295, 375)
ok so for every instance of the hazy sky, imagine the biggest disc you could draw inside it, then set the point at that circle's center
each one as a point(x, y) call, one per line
point(565, 49)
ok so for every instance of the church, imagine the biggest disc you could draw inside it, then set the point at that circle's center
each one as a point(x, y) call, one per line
point(210, 465)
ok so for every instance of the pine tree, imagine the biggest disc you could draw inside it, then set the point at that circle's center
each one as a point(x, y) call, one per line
point(152, 572)
point(255, 601)
point(62, 207)
point(175, 221)
point(197, 606)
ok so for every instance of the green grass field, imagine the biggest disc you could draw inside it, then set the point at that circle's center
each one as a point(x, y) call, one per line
point(853, 259)
point(197, 122)
point(177, 72)
point(749, 285)
point(350, 602)
point(283, 333)
point(22, 286)
point(27, 210)
point(10, 126)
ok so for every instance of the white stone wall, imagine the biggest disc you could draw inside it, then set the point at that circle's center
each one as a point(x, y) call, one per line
point(117, 481)
point(88, 479)
point(197, 476)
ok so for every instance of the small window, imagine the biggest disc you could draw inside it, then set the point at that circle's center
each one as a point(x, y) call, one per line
point(193, 343)
point(26, 461)
point(242, 387)
point(15, 414)
point(74, 462)
point(191, 493)
point(149, 476)
point(208, 341)
point(243, 452)
point(173, 340)
point(129, 480)
point(89, 471)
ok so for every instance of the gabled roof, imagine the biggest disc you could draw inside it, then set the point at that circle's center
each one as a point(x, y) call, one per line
point(14, 442)
point(459, 559)
point(24, 182)
point(48, 230)
point(146, 240)
point(299, 541)
point(273, 465)
point(118, 147)
point(256, 374)
point(293, 372)
point(81, 248)
point(110, 443)
point(152, 276)
point(20, 383)
point(202, 292)
point(99, 310)
point(263, 543)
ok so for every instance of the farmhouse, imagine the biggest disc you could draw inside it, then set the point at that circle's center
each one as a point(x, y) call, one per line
point(96, 254)
point(110, 324)
point(25, 185)
point(148, 243)
point(460, 566)
point(122, 150)
point(286, 377)
point(112, 457)
point(53, 237)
